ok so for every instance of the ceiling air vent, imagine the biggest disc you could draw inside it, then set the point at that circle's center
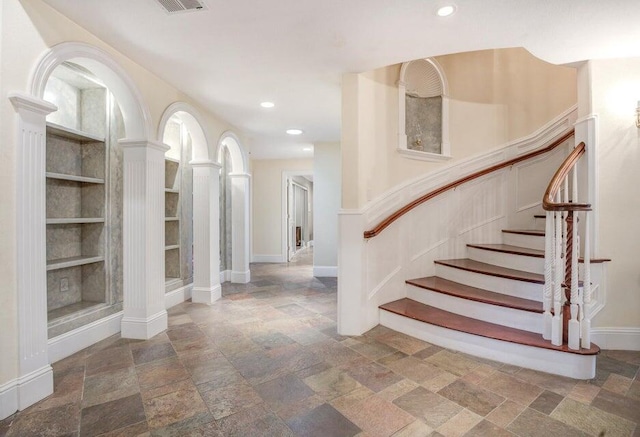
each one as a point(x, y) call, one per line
point(177, 6)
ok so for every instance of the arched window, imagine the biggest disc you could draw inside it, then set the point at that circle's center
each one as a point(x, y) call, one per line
point(423, 131)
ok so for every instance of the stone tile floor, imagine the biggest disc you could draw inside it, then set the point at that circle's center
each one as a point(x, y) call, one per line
point(266, 361)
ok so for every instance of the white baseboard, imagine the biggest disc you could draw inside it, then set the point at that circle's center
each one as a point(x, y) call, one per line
point(225, 276)
point(34, 386)
point(325, 271)
point(8, 398)
point(206, 295)
point(616, 338)
point(310, 244)
point(25, 391)
point(74, 341)
point(240, 277)
point(144, 329)
point(269, 259)
point(177, 296)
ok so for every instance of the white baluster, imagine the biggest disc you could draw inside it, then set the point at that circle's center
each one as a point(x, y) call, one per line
point(556, 329)
point(549, 259)
point(586, 288)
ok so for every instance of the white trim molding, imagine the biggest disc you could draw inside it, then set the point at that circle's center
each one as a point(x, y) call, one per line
point(136, 115)
point(616, 338)
point(8, 399)
point(325, 271)
point(241, 277)
point(177, 296)
point(144, 328)
point(69, 343)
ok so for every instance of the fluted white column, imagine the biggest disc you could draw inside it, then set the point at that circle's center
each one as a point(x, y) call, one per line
point(206, 231)
point(240, 228)
point(35, 376)
point(143, 239)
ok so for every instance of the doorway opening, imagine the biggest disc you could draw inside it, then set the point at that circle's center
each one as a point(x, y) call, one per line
point(298, 216)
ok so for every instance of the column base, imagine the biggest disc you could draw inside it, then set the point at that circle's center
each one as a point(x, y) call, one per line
point(241, 277)
point(206, 295)
point(144, 329)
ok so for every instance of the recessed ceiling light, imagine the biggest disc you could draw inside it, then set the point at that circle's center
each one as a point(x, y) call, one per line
point(307, 149)
point(267, 104)
point(294, 131)
point(445, 11)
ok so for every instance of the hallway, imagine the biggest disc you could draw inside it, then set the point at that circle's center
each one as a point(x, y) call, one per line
point(265, 360)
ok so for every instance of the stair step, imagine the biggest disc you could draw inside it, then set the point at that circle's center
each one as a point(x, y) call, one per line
point(462, 291)
point(434, 316)
point(533, 232)
point(513, 250)
point(492, 270)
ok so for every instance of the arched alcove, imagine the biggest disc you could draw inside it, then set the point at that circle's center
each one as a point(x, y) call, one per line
point(35, 217)
point(190, 202)
point(229, 145)
point(423, 111)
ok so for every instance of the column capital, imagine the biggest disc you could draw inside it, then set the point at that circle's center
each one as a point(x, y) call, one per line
point(31, 104)
point(240, 175)
point(205, 163)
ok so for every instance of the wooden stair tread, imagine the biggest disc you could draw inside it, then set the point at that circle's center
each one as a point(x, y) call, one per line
point(506, 248)
point(451, 288)
point(493, 270)
point(534, 232)
point(434, 316)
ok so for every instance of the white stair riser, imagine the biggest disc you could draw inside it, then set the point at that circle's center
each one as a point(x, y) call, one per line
point(508, 260)
point(539, 223)
point(513, 318)
point(544, 360)
point(520, 240)
point(525, 290)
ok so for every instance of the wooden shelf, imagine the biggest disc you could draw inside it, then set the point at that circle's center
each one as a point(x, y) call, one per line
point(172, 247)
point(74, 178)
point(171, 190)
point(72, 134)
point(63, 263)
point(74, 220)
point(171, 219)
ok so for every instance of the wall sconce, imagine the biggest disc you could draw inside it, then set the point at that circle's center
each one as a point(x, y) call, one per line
point(638, 115)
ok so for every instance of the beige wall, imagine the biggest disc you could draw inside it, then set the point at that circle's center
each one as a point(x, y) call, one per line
point(28, 29)
point(326, 183)
point(495, 96)
point(614, 91)
point(267, 201)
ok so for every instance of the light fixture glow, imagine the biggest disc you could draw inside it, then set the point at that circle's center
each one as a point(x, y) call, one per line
point(307, 149)
point(445, 11)
point(294, 131)
point(267, 104)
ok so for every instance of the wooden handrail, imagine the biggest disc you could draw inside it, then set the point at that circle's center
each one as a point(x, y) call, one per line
point(430, 195)
point(570, 161)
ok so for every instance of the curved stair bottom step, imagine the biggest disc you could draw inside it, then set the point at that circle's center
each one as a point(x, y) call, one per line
point(545, 360)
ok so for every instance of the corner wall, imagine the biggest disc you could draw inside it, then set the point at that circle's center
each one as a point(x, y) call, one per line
point(326, 204)
point(610, 89)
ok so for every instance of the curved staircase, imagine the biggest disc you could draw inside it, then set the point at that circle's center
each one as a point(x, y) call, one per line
point(489, 305)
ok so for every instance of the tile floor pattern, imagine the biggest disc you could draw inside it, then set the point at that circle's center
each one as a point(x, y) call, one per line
point(266, 361)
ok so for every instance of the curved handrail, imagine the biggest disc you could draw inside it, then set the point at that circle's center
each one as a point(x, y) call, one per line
point(556, 182)
point(430, 195)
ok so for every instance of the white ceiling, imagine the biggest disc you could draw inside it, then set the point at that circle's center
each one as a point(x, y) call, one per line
point(238, 53)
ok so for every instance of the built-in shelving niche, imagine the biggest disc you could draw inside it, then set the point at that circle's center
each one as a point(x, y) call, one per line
point(83, 194)
point(178, 233)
